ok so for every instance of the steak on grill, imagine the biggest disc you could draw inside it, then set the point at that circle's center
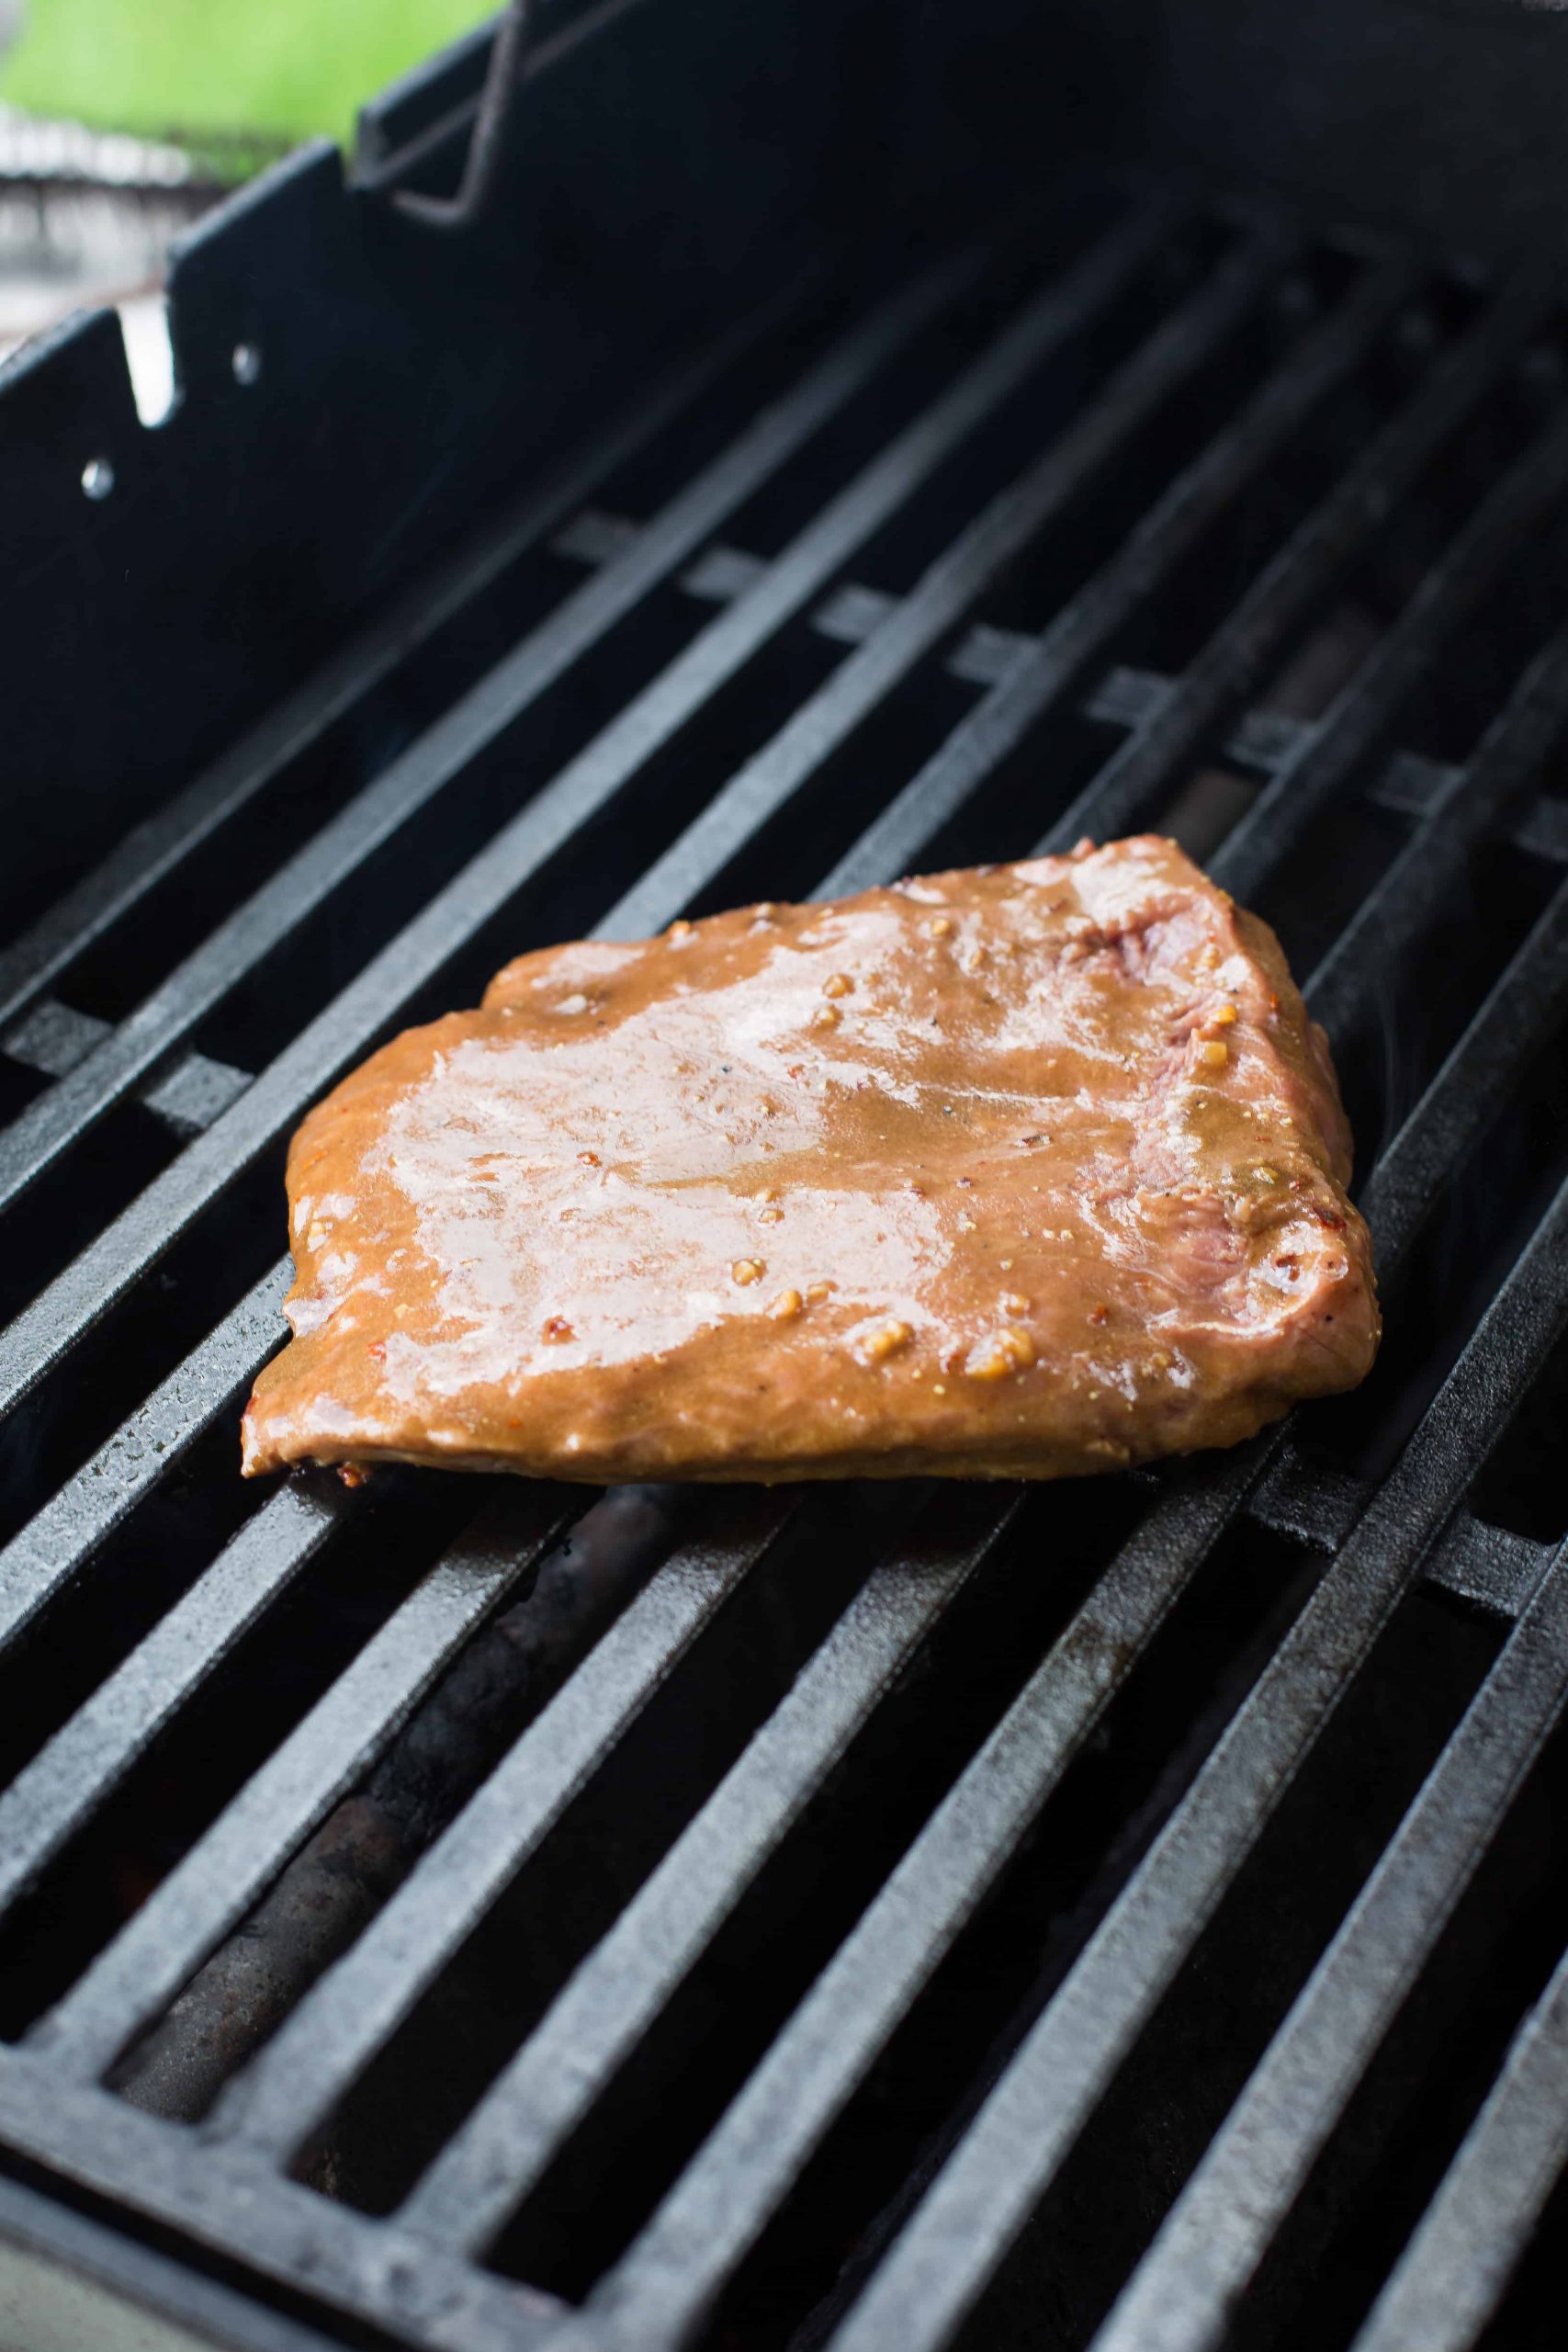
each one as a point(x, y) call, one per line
point(1026, 1170)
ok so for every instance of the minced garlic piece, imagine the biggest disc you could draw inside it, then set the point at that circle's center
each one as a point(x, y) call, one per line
point(1009, 1350)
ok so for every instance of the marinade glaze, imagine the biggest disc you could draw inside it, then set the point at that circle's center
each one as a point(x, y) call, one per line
point(1019, 1171)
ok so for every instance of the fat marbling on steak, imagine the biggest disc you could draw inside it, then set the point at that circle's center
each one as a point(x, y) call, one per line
point(1019, 1172)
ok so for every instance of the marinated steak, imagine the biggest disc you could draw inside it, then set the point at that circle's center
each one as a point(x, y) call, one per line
point(1022, 1171)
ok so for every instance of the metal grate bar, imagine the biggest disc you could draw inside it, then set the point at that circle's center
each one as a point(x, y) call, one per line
point(53, 1822)
point(847, 615)
point(1258, 738)
point(139, 1235)
point(816, 2063)
point(243, 2210)
point(1409, 786)
point(985, 2192)
point(53, 1546)
point(1524, 1008)
point(55, 1120)
point(93, 1751)
point(1331, 752)
point(1457, 2265)
point(1316, 1505)
point(155, 849)
point(490, 2164)
point(1487, 1565)
point(193, 1091)
point(1180, 2297)
point(1237, 657)
point(39, 2234)
point(188, 1095)
point(1264, 739)
point(1541, 829)
point(755, 2153)
point(1202, 1534)
point(352, 2010)
point(1475, 802)
point(1039, 671)
point(1503, 1081)
point(54, 1037)
point(931, 437)
point(63, 1535)
point(280, 2098)
point(278, 1807)
point(981, 552)
point(519, 2116)
point(515, 2119)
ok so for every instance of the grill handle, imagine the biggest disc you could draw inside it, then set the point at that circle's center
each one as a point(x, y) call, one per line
point(503, 79)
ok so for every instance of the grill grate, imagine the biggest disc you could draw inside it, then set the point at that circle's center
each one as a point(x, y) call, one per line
point(1007, 515)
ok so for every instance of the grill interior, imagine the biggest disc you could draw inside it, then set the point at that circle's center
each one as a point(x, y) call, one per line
point(456, 1913)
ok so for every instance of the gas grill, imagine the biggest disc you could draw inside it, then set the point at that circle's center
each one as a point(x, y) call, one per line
point(460, 1914)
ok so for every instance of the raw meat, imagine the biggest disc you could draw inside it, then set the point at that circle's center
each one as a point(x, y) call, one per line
point(1021, 1171)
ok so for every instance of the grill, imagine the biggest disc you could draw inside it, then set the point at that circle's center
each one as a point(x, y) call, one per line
point(456, 1914)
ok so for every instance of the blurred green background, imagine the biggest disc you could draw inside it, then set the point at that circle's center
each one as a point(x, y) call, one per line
point(152, 66)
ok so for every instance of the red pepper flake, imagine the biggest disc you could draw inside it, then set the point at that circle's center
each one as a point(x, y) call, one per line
point(558, 1328)
point(378, 1348)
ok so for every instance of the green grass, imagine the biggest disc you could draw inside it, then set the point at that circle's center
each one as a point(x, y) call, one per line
point(294, 66)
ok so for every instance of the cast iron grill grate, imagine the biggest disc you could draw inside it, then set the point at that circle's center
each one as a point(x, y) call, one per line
point(772, 1919)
